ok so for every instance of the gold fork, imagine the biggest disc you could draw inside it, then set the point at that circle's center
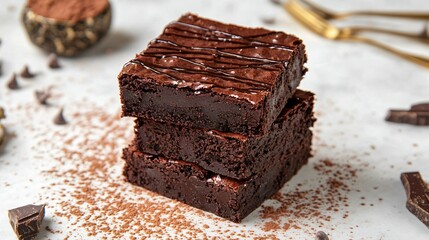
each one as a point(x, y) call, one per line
point(322, 27)
point(326, 14)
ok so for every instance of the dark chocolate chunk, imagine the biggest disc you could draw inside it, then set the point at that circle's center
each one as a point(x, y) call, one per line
point(417, 195)
point(13, 83)
point(59, 118)
point(53, 61)
point(417, 115)
point(320, 235)
point(25, 73)
point(409, 117)
point(26, 220)
point(422, 107)
point(42, 97)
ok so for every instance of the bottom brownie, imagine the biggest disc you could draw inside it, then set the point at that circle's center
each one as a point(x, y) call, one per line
point(223, 196)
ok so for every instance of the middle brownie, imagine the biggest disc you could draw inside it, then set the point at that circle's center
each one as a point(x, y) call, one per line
point(229, 154)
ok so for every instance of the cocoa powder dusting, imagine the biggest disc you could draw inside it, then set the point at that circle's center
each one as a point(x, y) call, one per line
point(88, 194)
point(68, 10)
point(300, 207)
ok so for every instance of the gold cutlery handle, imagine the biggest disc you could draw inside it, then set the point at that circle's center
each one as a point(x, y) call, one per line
point(409, 15)
point(328, 14)
point(420, 60)
point(419, 37)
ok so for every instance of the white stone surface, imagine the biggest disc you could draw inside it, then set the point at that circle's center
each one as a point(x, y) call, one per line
point(355, 85)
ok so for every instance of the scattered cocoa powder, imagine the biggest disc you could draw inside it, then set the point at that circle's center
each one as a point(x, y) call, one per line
point(300, 208)
point(88, 194)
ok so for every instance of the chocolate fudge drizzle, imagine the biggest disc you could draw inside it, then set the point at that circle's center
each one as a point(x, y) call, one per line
point(215, 54)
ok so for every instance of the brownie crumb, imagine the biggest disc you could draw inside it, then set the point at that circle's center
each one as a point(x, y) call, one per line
point(25, 73)
point(47, 228)
point(59, 118)
point(53, 61)
point(42, 96)
point(13, 82)
point(320, 235)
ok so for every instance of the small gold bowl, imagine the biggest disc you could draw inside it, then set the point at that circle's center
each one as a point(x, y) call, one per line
point(66, 37)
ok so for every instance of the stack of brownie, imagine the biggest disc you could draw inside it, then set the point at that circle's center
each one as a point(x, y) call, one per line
point(220, 124)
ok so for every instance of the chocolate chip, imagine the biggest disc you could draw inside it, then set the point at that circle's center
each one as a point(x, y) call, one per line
point(25, 73)
point(59, 118)
point(425, 32)
point(417, 195)
point(276, 2)
point(26, 220)
point(53, 61)
point(42, 97)
point(320, 235)
point(13, 83)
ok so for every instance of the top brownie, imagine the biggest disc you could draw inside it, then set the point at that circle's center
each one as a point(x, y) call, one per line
point(206, 74)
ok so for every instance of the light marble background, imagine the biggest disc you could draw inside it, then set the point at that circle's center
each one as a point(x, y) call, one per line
point(355, 85)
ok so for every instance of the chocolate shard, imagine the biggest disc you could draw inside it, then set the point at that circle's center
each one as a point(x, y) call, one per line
point(410, 117)
point(53, 61)
point(421, 107)
point(25, 73)
point(42, 97)
point(13, 83)
point(59, 118)
point(320, 235)
point(26, 220)
point(417, 195)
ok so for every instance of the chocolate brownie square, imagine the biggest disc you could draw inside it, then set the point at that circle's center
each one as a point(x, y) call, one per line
point(229, 154)
point(201, 73)
point(229, 198)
